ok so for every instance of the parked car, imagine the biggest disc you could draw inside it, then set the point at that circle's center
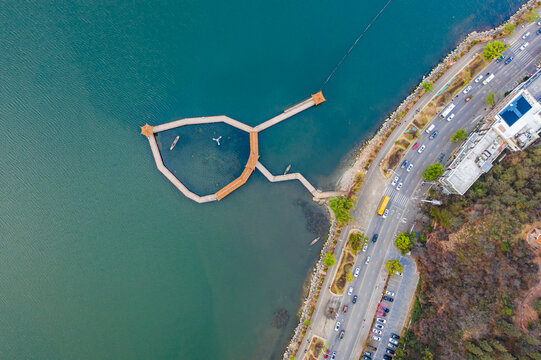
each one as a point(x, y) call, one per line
point(366, 357)
point(354, 300)
point(395, 336)
point(539, 31)
point(387, 357)
point(345, 309)
point(342, 335)
point(479, 78)
point(509, 59)
point(415, 146)
point(357, 271)
point(337, 326)
point(399, 186)
point(451, 117)
point(327, 352)
point(365, 247)
point(379, 326)
point(388, 298)
point(393, 341)
point(376, 331)
point(375, 238)
point(381, 321)
point(467, 99)
point(524, 46)
point(390, 293)
point(377, 338)
point(385, 213)
point(500, 58)
point(395, 181)
point(385, 309)
point(404, 164)
point(467, 90)
point(392, 346)
point(333, 355)
point(389, 351)
point(350, 290)
point(421, 149)
point(525, 36)
point(410, 167)
point(434, 134)
point(367, 260)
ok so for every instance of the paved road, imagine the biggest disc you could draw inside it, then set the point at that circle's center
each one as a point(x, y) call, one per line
point(357, 322)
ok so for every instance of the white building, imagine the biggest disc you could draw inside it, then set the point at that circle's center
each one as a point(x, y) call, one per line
point(514, 124)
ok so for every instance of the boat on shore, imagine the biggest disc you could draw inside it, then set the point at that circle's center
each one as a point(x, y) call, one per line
point(174, 143)
point(314, 241)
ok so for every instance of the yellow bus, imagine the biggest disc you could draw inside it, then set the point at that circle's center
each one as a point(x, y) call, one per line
point(383, 205)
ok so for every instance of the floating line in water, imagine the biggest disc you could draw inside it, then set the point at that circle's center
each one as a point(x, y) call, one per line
point(353, 45)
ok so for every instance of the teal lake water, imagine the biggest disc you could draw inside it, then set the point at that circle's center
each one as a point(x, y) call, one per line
point(100, 256)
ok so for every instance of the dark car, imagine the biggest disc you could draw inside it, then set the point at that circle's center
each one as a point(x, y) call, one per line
point(342, 334)
point(366, 357)
point(404, 164)
point(387, 357)
point(388, 298)
point(389, 351)
point(354, 300)
point(333, 355)
point(375, 238)
point(385, 309)
point(539, 31)
point(395, 336)
point(508, 60)
point(500, 58)
point(434, 134)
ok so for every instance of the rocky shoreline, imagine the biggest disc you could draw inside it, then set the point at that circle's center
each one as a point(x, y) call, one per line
point(363, 160)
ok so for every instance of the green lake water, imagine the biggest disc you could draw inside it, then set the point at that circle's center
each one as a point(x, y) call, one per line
point(100, 256)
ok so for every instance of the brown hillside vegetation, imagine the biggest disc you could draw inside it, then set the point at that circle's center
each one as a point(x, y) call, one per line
point(475, 269)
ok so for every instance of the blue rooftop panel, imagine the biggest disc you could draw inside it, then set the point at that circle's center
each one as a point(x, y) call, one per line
point(515, 110)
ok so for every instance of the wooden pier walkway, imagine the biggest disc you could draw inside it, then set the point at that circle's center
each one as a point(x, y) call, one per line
point(253, 159)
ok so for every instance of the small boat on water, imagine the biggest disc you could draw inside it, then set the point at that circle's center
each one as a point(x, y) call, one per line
point(314, 241)
point(174, 143)
point(287, 169)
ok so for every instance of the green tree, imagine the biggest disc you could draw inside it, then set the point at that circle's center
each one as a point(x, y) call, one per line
point(404, 242)
point(428, 86)
point(349, 277)
point(483, 344)
point(531, 340)
point(357, 240)
point(459, 135)
point(535, 355)
point(394, 266)
point(433, 172)
point(498, 346)
point(341, 206)
point(509, 329)
point(490, 98)
point(427, 355)
point(508, 29)
point(474, 349)
point(493, 50)
point(329, 259)
point(532, 16)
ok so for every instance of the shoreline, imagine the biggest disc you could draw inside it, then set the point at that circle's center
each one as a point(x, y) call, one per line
point(366, 153)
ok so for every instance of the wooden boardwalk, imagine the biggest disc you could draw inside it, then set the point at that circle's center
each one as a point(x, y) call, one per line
point(253, 159)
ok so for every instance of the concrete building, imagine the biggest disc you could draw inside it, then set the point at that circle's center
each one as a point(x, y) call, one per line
point(514, 123)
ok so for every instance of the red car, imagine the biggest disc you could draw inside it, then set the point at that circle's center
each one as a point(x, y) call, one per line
point(415, 146)
point(468, 99)
point(345, 309)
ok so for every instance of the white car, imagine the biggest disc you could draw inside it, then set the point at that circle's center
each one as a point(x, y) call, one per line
point(524, 46)
point(525, 36)
point(409, 167)
point(393, 341)
point(337, 326)
point(389, 293)
point(421, 149)
point(357, 271)
point(379, 326)
point(350, 290)
point(479, 78)
point(366, 262)
point(381, 320)
point(399, 187)
point(450, 117)
point(376, 331)
point(377, 338)
point(467, 90)
point(385, 213)
point(365, 247)
point(395, 180)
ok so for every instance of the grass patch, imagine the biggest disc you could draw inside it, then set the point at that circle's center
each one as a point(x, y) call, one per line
point(316, 348)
